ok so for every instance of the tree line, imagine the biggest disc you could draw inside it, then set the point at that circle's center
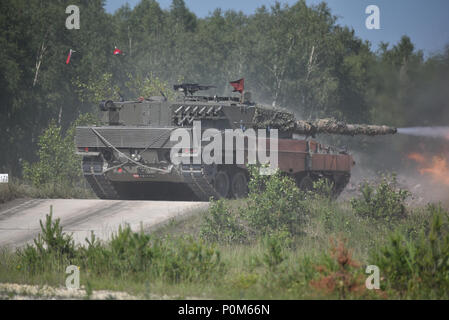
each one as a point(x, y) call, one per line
point(297, 57)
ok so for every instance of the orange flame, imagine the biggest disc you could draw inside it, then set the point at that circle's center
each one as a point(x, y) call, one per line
point(438, 170)
point(417, 157)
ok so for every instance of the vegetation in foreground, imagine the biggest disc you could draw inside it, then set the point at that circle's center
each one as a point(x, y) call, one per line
point(280, 243)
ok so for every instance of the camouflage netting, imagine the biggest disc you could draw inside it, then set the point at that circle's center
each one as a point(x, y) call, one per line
point(332, 126)
point(273, 118)
point(285, 121)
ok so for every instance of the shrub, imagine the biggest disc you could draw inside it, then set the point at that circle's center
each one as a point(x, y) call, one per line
point(276, 244)
point(220, 224)
point(52, 248)
point(186, 259)
point(384, 201)
point(340, 276)
point(418, 267)
point(58, 165)
point(274, 204)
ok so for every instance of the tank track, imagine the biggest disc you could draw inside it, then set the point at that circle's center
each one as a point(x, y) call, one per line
point(93, 173)
point(199, 180)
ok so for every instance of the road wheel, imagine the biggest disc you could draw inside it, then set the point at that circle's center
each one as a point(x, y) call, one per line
point(239, 185)
point(222, 184)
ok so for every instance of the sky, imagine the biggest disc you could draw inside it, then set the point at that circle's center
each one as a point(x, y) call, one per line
point(425, 22)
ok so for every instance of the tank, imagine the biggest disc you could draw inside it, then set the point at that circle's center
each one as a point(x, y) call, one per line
point(131, 154)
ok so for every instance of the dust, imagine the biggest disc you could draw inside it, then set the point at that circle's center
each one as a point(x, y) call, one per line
point(426, 179)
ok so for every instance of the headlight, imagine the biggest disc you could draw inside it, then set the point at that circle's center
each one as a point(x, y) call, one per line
point(136, 157)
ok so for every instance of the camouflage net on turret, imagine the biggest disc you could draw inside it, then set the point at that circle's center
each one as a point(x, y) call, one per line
point(273, 118)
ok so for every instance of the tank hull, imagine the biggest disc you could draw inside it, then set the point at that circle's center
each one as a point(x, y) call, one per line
point(107, 153)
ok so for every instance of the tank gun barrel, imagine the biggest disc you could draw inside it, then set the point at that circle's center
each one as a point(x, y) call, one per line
point(332, 126)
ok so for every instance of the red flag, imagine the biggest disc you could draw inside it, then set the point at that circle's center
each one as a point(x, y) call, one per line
point(117, 51)
point(69, 56)
point(239, 85)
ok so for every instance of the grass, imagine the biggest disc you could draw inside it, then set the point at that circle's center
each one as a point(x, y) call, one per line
point(323, 255)
point(17, 189)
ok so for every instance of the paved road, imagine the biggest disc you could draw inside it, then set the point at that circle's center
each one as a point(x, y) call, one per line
point(19, 219)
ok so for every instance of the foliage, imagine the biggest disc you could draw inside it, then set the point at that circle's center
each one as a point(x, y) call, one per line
point(128, 253)
point(35, 82)
point(384, 201)
point(220, 224)
point(275, 266)
point(341, 277)
point(106, 88)
point(58, 164)
point(148, 86)
point(12, 190)
point(324, 188)
point(96, 90)
point(276, 243)
point(274, 204)
point(52, 248)
point(418, 267)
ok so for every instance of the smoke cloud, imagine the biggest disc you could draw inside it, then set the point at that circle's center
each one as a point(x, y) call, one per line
point(430, 132)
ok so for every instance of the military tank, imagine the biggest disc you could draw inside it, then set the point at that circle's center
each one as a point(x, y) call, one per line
point(130, 155)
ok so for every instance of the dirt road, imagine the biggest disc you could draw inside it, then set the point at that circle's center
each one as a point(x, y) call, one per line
point(19, 219)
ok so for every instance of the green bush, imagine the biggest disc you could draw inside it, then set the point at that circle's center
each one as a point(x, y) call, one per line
point(52, 248)
point(384, 201)
point(220, 224)
point(418, 268)
point(186, 259)
point(58, 167)
point(276, 245)
point(274, 204)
